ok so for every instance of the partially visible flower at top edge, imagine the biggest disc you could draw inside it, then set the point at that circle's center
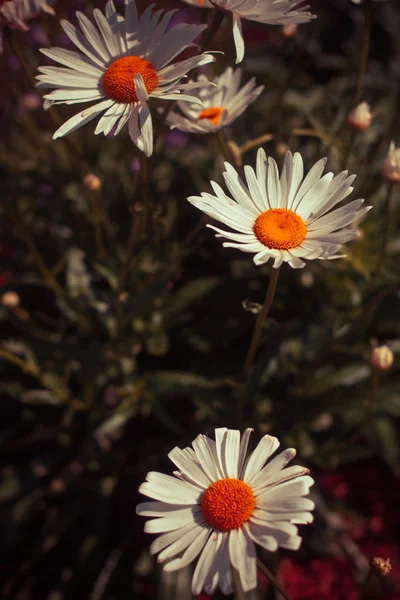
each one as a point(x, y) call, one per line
point(391, 166)
point(271, 12)
point(222, 104)
point(16, 13)
point(220, 503)
point(284, 218)
point(123, 62)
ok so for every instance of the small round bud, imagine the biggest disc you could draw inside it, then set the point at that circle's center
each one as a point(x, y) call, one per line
point(10, 299)
point(92, 182)
point(382, 566)
point(360, 117)
point(381, 358)
point(391, 166)
point(289, 31)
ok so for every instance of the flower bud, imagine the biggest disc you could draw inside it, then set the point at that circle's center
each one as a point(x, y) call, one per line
point(289, 31)
point(381, 358)
point(92, 182)
point(10, 299)
point(382, 566)
point(360, 117)
point(391, 166)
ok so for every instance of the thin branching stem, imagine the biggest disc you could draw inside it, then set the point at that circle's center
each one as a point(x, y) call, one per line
point(272, 579)
point(364, 52)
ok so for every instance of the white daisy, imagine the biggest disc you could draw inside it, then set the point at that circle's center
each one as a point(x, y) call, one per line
point(123, 62)
point(222, 104)
point(283, 218)
point(220, 503)
point(272, 12)
point(16, 13)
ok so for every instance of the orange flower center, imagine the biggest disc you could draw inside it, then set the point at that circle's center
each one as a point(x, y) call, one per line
point(118, 80)
point(280, 228)
point(228, 503)
point(213, 114)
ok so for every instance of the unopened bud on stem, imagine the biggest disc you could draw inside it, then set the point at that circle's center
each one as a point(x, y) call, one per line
point(360, 117)
point(391, 166)
point(92, 182)
point(381, 358)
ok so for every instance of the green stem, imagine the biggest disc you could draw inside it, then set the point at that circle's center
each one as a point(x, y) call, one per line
point(386, 228)
point(258, 327)
point(364, 52)
point(272, 579)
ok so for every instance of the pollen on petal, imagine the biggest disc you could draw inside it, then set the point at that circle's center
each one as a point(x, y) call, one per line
point(228, 504)
point(118, 80)
point(280, 228)
point(213, 114)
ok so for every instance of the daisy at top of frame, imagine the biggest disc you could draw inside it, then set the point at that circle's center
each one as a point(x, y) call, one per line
point(271, 12)
point(222, 104)
point(123, 61)
point(221, 502)
point(286, 218)
point(16, 13)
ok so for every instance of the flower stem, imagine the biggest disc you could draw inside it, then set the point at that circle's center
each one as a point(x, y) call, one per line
point(269, 298)
point(20, 54)
point(123, 274)
point(364, 52)
point(222, 144)
point(238, 592)
point(386, 229)
point(97, 218)
point(273, 280)
point(47, 275)
point(212, 30)
point(272, 579)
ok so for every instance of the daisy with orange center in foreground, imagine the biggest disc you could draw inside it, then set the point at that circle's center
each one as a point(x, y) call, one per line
point(123, 61)
point(222, 102)
point(220, 503)
point(286, 217)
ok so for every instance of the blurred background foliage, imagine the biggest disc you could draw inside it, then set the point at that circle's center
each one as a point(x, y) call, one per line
point(100, 380)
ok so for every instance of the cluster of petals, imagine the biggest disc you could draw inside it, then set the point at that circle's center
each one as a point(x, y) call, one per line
point(123, 61)
point(286, 218)
point(272, 12)
point(221, 105)
point(220, 503)
point(16, 14)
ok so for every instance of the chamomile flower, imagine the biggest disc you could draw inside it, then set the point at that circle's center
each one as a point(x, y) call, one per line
point(123, 61)
point(222, 104)
point(284, 218)
point(16, 14)
point(272, 12)
point(219, 504)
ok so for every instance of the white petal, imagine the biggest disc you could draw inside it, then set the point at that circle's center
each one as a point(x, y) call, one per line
point(243, 557)
point(189, 468)
point(266, 446)
point(238, 37)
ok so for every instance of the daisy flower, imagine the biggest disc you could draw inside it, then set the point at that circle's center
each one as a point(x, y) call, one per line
point(284, 218)
point(220, 503)
point(222, 104)
point(272, 12)
point(15, 14)
point(123, 61)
